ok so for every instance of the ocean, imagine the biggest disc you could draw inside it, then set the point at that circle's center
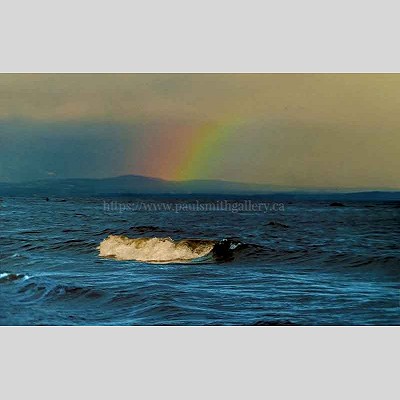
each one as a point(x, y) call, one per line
point(198, 260)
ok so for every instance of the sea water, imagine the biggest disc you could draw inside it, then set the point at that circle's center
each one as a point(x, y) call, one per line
point(78, 261)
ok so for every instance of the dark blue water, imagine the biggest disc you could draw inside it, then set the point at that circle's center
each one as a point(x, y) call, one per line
point(306, 264)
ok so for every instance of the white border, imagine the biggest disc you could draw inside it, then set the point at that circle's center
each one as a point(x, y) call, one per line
point(199, 363)
point(206, 36)
point(194, 36)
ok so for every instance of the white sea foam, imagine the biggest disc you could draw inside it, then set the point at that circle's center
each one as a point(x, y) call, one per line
point(154, 249)
point(9, 277)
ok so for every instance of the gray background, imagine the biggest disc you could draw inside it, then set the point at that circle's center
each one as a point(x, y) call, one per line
point(207, 36)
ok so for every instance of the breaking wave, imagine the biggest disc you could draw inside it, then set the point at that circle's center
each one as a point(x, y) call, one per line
point(166, 250)
point(10, 277)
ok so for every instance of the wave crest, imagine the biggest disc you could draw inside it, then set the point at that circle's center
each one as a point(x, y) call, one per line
point(10, 277)
point(156, 250)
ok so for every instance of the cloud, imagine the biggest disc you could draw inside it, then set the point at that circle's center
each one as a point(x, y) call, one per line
point(295, 129)
point(344, 98)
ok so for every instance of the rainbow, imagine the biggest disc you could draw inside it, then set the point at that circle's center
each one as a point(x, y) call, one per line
point(203, 150)
point(182, 151)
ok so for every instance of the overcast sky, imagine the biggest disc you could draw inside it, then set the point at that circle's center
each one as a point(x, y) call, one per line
point(311, 130)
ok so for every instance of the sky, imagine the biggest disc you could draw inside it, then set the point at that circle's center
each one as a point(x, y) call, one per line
point(296, 130)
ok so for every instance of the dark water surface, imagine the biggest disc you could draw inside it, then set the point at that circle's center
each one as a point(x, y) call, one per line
point(309, 264)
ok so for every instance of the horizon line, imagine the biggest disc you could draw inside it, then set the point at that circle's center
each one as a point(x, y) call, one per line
point(283, 186)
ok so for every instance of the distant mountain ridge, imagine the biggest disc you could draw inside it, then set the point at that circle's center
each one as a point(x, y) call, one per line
point(134, 184)
point(137, 184)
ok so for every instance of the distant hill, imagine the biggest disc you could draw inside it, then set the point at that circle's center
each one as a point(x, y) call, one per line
point(128, 184)
point(136, 184)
